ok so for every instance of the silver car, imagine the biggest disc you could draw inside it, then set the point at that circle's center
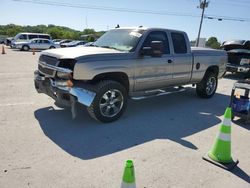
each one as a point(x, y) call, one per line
point(37, 43)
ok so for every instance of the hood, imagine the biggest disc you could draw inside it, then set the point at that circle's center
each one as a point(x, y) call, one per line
point(236, 44)
point(75, 52)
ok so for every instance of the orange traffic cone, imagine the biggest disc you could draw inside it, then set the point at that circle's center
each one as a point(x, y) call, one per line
point(3, 50)
point(33, 51)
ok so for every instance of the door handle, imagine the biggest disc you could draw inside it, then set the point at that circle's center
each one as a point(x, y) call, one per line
point(170, 61)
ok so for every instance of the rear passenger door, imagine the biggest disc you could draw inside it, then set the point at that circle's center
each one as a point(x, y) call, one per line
point(46, 44)
point(182, 63)
point(34, 44)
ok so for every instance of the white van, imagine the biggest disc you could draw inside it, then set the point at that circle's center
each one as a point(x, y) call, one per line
point(21, 37)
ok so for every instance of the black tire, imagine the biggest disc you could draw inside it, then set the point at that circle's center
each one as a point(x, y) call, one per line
point(25, 48)
point(208, 85)
point(110, 101)
point(52, 47)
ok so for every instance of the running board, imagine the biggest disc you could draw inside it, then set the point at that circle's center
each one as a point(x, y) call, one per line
point(159, 92)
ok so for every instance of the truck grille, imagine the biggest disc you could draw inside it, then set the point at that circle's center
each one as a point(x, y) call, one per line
point(49, 60)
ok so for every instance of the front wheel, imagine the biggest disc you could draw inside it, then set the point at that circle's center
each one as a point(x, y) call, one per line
point(25, 48)
point(208, 85)
point(52, 47)
point(110, 101)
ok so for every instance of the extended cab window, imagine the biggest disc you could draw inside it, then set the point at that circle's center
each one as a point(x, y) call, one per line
point(158, 36)
point(179, 43)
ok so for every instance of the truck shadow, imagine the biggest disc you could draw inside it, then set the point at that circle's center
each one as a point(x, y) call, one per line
point(172, 117)
point(242, 123)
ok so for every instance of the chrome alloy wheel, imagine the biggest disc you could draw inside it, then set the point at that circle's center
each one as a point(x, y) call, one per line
point(211, 85)
point(111, 103)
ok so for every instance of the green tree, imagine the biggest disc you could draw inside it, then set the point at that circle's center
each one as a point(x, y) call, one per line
point(88, 31)
point(212, 42)
point(55, 32)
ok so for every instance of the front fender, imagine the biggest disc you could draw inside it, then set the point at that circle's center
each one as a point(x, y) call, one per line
point(87, 71)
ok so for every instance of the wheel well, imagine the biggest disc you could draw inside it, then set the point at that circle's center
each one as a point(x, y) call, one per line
point(120, 77)
point(25, 45)
point(213, 69)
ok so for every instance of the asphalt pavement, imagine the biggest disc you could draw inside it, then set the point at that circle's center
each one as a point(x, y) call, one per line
point(166, 137)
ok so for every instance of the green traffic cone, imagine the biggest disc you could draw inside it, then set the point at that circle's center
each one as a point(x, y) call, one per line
point(220, 153)
point(128, 179)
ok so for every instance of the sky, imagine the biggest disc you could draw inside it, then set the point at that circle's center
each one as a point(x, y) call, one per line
point(106, 14)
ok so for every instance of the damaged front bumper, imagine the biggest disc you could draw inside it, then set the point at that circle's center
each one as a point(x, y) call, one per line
point(238, 68)
point(62, 94)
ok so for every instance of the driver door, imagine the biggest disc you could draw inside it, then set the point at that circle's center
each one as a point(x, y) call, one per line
point(154, 72)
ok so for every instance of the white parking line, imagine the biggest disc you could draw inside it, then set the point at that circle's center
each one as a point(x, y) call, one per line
point(15, 73)
point(16, 104)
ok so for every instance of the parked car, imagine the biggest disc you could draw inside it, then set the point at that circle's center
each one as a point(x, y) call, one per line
point(238, 55)
point(57, 40)
point(24, 37)
point(63, 41)
point(7, 41)
point(41, 44)
point(127, 62)
point(73, 44)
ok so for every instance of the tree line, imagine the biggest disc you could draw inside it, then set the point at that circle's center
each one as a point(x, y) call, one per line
point(56, 32)
point(61, 32)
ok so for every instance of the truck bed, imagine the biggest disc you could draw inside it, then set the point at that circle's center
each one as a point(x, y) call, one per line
point(203, 57)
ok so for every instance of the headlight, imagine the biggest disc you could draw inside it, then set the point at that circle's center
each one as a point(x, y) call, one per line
point(64, 75)
point(67, 63)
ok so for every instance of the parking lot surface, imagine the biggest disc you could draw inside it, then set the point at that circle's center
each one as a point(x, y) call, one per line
point(166, 137)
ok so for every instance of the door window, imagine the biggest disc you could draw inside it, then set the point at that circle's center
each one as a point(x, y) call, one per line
point(158, 36)
point(44, 36)
point(33, 36)
point(179, 43)
point(23, 37)
point(45, 41)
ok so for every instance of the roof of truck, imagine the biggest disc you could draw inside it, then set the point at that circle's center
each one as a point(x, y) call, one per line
point(148, 28)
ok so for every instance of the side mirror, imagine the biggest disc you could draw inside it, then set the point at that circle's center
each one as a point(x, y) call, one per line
point(155, 49)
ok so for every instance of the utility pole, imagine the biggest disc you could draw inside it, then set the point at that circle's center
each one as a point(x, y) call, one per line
point(86, 22)
point(203, 6)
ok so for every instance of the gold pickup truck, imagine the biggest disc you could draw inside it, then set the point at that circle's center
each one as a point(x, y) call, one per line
point(124, 63)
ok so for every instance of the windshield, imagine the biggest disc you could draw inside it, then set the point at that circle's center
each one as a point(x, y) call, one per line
point(120, 39)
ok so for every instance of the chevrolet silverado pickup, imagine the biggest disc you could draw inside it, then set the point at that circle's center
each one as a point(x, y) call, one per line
point(124, 63)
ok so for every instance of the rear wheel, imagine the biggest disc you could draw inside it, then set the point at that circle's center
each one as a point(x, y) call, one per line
point(110, 101)
point(52, 47)
point(208, 85)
